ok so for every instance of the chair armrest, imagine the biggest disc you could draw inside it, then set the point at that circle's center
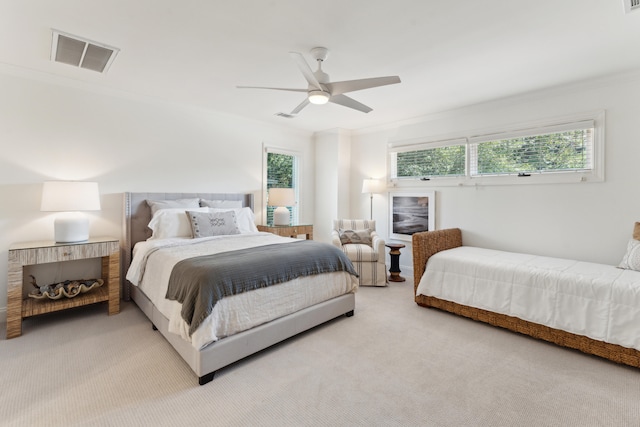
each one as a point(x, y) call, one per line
point(335, 239)
point(377, 243)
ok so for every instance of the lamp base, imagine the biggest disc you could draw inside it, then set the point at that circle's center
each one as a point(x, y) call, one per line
point(281, 216)
point(71, 227)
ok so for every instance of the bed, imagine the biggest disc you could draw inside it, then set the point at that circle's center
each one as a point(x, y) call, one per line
point(589, 307)
point(281, 311)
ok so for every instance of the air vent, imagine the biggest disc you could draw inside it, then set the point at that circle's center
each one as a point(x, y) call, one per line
point(631, 5)
point(83, 53)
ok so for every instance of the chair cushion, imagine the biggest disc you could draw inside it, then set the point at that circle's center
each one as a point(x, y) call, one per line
point(355, 236)
point(357, 252)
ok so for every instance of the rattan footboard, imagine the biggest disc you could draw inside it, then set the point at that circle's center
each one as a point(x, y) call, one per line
point(428, 243)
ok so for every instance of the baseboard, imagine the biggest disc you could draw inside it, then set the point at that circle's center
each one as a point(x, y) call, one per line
point(406, 271)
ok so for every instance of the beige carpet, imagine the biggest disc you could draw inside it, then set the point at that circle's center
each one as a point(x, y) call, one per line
point(392, 364)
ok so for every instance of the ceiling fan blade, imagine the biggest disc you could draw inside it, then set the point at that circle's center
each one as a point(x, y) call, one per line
point(349, 102)
point(306, 70)
point(272, 88)
point(300, 106)
point(336, 88)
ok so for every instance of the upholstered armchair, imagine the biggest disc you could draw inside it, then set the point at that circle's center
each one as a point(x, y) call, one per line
point(359, 241)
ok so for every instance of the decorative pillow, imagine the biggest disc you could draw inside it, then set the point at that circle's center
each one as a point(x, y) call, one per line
point(355, 236)
point(631, 260)
point(245, 218)
point(156, 205)
point(221, 204)
point(205, 224)
point(636, 231)
point(173, 222)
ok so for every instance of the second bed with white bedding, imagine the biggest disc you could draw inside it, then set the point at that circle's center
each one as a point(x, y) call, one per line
point(598, 301)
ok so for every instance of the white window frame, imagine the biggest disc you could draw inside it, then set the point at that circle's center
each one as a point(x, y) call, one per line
point(418, 145)
point(558, 124)
point(266, 149)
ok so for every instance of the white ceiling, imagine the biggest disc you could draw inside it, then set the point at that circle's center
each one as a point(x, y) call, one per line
point(447, 53)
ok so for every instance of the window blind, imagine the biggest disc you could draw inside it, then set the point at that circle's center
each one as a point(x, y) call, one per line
point(558, 148)
point(428, 159)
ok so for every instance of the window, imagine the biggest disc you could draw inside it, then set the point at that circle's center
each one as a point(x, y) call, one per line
point(542, 151)
point(281, 172)
point(565, 151)
point(441, 159)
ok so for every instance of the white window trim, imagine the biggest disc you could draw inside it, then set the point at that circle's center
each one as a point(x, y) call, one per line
point(420, 144)
point(597, 174)
point(266, 148)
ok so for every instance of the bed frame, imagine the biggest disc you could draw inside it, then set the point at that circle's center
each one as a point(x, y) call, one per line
point(428, 243)
point(207, 361)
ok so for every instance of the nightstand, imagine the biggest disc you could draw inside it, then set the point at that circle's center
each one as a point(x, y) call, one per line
point(288, 230)
point(32, 253)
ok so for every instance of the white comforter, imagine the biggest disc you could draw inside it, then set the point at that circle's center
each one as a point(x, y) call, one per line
point(153, 261)
point(598, 301)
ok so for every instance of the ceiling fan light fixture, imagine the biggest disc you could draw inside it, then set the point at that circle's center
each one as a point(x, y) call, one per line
point(318, 97)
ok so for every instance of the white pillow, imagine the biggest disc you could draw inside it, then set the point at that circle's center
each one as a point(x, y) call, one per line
point(172, 222)
point(156, 205)
point(631, 260)
point(245, 218)
point(221, 204)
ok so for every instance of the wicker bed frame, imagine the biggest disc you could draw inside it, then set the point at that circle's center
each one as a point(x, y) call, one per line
point(215, 356)
point(429, 243)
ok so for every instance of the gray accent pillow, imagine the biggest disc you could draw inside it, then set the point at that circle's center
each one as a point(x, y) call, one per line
point(205, 224)
point(156, 205)
point(362, 237)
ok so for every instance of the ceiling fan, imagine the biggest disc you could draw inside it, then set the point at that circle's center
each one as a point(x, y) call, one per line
point(321, 90)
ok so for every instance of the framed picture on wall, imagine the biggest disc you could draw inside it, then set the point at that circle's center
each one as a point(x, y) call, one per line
point(411, 213)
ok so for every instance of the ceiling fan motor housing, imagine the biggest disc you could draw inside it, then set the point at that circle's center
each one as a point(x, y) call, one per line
point(319, 53)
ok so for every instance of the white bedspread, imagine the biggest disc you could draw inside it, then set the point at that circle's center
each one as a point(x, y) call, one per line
point(153, 261)
point(595, 300)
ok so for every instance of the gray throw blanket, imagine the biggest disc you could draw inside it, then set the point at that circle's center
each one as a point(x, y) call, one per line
point(199, 283)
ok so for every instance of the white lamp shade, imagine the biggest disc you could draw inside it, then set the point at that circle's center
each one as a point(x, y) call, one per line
point(70, 196)
point(370, 186)
point(282, 197)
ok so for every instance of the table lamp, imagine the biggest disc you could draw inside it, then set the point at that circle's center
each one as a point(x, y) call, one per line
point(281, 198)
point(70, 198)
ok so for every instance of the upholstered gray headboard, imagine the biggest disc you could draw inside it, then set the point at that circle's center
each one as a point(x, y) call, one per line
point(137, 214)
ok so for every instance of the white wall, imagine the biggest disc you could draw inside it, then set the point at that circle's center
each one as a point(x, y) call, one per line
point(585, 221)
point(332, 151)
point(50, 131)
